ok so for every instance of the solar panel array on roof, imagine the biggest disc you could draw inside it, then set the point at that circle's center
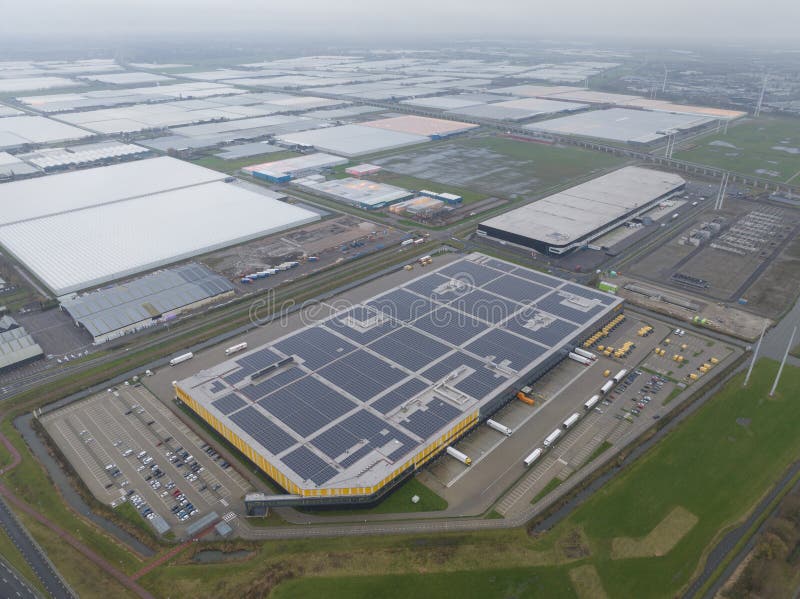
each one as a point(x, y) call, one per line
point(369, 386)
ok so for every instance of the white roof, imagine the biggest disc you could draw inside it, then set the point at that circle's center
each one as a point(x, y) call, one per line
point(21, 130)
point(84, 248)
point(576, 212)
point(33, 198)
point(34, 83)
point(127, 78)
point(352, 140)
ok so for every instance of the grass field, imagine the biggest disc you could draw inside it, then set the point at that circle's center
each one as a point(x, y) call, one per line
point(715, 466)
point(754, 142)
point(519, 583)
point(398, 502)
point(12, 555)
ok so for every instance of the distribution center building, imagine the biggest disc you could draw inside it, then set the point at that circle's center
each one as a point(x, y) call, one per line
point(360, 193)
point(282, 171)
point(342, 410)
point(572, 218)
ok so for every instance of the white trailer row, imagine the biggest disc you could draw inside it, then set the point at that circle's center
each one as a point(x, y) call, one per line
point(586, 354)
point(591, 402)
point(579, 359)
point(620, 375)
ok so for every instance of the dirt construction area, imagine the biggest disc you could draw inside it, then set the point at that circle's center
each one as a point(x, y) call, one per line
point(746, 253)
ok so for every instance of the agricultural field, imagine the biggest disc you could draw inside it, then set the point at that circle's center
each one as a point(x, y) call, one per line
point(498, 166)
point(767, 147)
point(646, 533)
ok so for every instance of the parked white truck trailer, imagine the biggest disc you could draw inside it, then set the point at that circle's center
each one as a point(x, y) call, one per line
point(586, 354)
point(533, 456)
point(500, 428)
point(461, 457)
point(570, 421)
point(551, 438)
point(234, 348)
point(608, 386)
point(591, 402)
point(579, 359)
point(620, 375)
point(182, 358)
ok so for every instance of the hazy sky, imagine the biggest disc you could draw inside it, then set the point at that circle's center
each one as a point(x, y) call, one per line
point(731, 20)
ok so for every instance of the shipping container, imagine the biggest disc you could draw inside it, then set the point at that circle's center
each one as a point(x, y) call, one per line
point(234, 348)
point(533, 456)
point(570, 421)
point(499, 427)
point(551, 438)
point(591, 402)
point(461, 457)
point(182, 358)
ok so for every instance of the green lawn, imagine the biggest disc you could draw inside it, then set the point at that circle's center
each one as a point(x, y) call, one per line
point(551, 164)
point(518, 583)
point(755, 141)
point(550, 486)
point(398, 502)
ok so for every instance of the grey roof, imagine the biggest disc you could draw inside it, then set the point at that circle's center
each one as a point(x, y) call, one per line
point(347, 401)
point(146, 298)
point(16, 345)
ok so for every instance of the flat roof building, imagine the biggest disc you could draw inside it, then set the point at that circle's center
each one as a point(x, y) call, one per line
point(363, 170)
point(420, 125)
point(341, 410)
point(17, 347)
point(573, 217)
point(150, 300)
point(360, 193)
point(352, 140)
point(281, 171)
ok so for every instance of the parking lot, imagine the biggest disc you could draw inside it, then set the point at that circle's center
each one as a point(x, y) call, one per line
point(127, 446)
point(642, 396)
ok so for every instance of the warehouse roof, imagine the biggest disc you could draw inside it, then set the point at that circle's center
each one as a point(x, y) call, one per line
point(621, 124)
point(22, 130)
point(420, 125)
point(348, 401)
point(352, 140)
point(146, 298)
point(576, 212)
point(357, 191)
point(288, 166)
point(34, 198)
point(16, 345)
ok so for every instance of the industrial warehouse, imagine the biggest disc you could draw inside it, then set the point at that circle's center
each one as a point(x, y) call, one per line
point(147, 301)
point(342, 410)
point(572, 218)
point(360, 193)
point(80, 229)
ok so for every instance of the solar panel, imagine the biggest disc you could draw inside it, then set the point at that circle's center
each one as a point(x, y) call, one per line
point(517, 289)
point(537, 277)
point(464, 270)
point(229, 403)
point(377, 325)
point(253, 392)
point(451, 326)
point(397, 396)
point(309, 465)
point(402, 305)
point(335, 441)
point(560, 306)
point(250, 364)
point(362, 375)
point(500, 346)
point(485, 306)
point(410, 348)
point(440, 288)
point(273, 438)
point(550, 335)
point(315, 346)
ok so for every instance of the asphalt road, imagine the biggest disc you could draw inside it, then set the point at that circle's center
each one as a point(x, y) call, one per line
point(33, 555)
point(12, 585)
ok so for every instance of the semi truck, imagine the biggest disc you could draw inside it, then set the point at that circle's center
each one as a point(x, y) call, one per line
point(534, 455)
point(570, 421)
point(585, 354)
point(461, 457)
point(182, 358)
point(608, 386)
point(579, 359)
point(592, 401)
point(500, 428)
point(234, 348)
point(620, 375)
point(551, 438)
